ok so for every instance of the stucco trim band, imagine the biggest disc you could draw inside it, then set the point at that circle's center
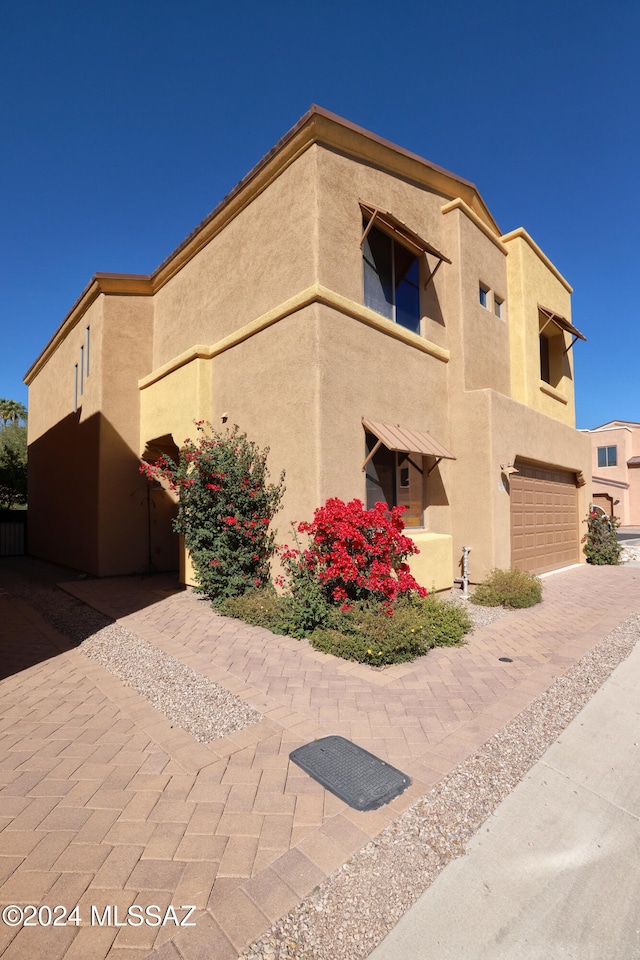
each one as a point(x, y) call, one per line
point(459, 204)
point(521, 232)
point(316, 293)
point(611, 483)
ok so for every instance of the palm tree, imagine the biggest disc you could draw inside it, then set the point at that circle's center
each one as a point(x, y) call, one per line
point(12, 411)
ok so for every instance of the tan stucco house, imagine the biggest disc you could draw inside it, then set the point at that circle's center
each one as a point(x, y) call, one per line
point(615, 465)
point(357, 309)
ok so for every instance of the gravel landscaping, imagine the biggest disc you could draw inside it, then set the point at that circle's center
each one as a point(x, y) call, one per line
point(352, 911)
point(202, 708)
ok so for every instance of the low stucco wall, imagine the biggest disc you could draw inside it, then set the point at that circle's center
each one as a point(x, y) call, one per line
point(433, 566)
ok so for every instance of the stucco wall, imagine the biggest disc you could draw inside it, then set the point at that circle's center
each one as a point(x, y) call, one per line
point(64, 451)
point(490, 431)
point(261, 258)
point(533, 283)
point(342, 183)
point(478, 339)
point(92, 512)
point(627, 443)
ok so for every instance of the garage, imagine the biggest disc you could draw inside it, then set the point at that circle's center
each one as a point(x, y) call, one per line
point(545, 533)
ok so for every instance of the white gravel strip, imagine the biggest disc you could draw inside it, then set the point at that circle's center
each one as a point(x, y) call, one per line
point(352, 911)
point(204, 709)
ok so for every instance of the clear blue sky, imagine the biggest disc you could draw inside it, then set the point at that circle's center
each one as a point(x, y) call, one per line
point(123, 124)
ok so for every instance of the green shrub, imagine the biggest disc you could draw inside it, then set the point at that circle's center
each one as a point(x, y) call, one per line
point(512, 589)
point(225, 507)
point(368, 634)
point(364, 632)
point(260, 607)
point(600, 542)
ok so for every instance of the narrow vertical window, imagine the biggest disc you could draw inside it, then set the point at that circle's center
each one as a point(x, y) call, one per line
point(87, 351)
point(81, 370)
point(484, 295)
point(75, 390)
point(545, 365)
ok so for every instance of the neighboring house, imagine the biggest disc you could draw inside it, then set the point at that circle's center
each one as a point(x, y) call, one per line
point(615, 451)
point(355, 308)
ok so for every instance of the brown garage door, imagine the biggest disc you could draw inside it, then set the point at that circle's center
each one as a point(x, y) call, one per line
point(544, 518)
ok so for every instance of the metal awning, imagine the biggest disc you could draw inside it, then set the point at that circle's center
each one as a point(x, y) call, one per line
point(403, 440)
point(399, 231)
point(562, 323)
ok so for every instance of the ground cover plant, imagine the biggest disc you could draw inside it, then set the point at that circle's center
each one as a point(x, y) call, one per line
point(226, 503)
point(600, 542)
point(512, 589)
point(350, 591)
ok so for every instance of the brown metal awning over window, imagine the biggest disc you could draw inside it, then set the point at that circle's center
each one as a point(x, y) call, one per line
point(403, 440)
point(562, 323)
point(399, 231)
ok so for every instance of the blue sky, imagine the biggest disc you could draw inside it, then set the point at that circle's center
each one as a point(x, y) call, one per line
point(123, 124)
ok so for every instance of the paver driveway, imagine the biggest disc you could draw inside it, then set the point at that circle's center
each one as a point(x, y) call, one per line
point(104, 802)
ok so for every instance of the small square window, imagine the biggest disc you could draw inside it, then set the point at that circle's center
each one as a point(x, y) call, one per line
point(607, 456)
point(497, 307)
point(484, 295)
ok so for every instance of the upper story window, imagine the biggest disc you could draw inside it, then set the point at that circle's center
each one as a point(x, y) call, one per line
point(553, 350)
point(484, 295)
point(391, 258)
point(391, 279)
point(545, 359)
point(498, 307)
point(607, 456)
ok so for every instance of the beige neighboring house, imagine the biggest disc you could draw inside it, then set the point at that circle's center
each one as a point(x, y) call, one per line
point(615, 452)
point(357, 309)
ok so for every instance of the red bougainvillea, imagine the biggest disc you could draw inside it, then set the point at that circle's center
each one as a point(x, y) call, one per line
point(354, 553)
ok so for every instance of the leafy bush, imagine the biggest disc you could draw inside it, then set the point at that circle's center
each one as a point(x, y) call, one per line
point(225, 506)
point(350, 591)
point(261, 607)
point(353, 554)
point(600, 542)
point(508, 588)
point(369, 635)
point(364, 631)
point(13, 464)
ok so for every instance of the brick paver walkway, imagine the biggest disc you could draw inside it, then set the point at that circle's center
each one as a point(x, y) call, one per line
point(104, 802)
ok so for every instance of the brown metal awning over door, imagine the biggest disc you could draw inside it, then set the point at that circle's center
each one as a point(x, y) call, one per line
point(403, 440)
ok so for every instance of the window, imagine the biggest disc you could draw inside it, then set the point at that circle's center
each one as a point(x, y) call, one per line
point(545, 367)
point(396, 479)
point(497, 306)
point(81, 370)
point(391, 279)
point(484, 295)
point(75, 389)
point(87, 349)
point(607, 456)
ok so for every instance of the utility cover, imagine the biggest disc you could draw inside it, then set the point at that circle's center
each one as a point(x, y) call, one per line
point(361, 779)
